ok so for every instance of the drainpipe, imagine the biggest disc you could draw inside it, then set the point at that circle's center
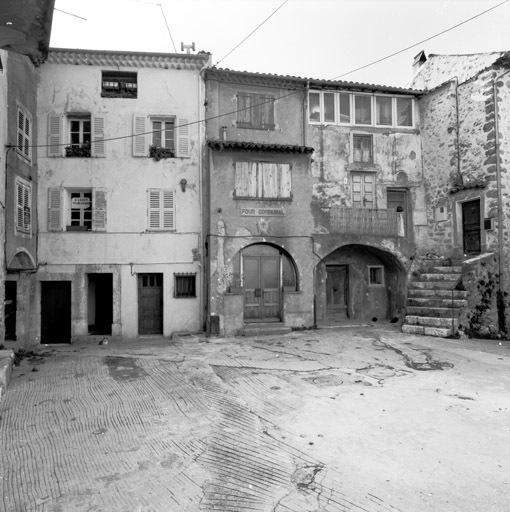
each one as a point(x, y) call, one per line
point(305, 97)
point(459, 172)
point(501, 288)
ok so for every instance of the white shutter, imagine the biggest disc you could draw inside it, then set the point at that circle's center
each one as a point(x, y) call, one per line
point(285, 180)
point(99, 209)
point(54, 135)
point(23, 207)
point(98, 135)
point(161, 209)
point(55, 196)
point(183, 142)
point(140, 146)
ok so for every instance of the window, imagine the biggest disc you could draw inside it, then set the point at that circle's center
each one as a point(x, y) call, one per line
point(185, 285)
point(80, 211)
point(404, 112)
point(119, 84)
point(360, 109)
point(23, 206)
point(383, 111)
point(255, 111)
point(362, 149)
point(24, 135)
point(79, 136)
point(82, 134)
point(363, 188)
point(376, 276)
point(77, 209)
point(262, 180)
point(160, 137)
point(161, 209)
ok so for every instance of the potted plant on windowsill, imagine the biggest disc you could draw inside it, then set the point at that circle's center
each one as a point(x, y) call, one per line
point(78, 150)
point(157, 153)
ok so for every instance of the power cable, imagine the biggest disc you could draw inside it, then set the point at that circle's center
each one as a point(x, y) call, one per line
point(167, 27)
point(421, 42)
point(252, 32)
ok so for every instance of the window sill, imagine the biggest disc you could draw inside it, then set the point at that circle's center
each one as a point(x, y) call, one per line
point(77, 228)
point(260, 199)
point(184, 297)
point(270, 128)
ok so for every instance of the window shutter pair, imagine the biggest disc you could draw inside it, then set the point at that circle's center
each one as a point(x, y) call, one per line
point(24, 134)
point(262, 179)
point(142, 132)
point(56, 209)
point(23, 207)
point(161, 209)
point(56, 140)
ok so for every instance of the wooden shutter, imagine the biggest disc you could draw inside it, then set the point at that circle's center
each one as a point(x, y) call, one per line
point(140, 147)
point(98, 136)
point(99, 209)
point(161, 209)
point(244, 112)
point(269, 179)
point(54, 135)
point(23, 207)
point(55, 205)
point(241, 179)
point(267, 112)
point(285, 180)
point(183, 142)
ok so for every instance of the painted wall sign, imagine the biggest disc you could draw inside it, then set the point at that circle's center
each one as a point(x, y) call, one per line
point(80, 203)
point(262, 212)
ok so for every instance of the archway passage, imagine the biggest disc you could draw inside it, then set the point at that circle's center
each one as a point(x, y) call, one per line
point(359, 283)
point(266, 271)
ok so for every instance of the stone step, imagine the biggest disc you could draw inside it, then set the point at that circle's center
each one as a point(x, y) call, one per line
point(439, 269)
point(439, 332)
point(435, 312)
point(440, 277)
point(431, 293)
point(433, 302)
point(433, 285)
point(265, 328)
point(429, 321)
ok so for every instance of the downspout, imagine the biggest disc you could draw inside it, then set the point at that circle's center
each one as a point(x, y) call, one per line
point(305, 97)
point(459, 172)
point(501, 247)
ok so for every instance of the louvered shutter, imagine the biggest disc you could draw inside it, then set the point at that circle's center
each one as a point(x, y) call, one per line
point(154, 209)
point(23, 207)
point(285, 180)
point(168, 213)
point(140, 147)
point(161, 209)
point(98, 136)
point(55, 196)
point(99, 209)
point(183, 141)
point(54, 135)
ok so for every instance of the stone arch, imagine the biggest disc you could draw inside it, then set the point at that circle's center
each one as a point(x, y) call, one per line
point(21, 261)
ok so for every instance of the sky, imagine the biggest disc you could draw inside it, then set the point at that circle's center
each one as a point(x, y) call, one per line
point(324, 39)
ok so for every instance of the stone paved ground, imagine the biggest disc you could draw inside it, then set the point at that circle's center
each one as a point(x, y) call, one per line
point(358, 419)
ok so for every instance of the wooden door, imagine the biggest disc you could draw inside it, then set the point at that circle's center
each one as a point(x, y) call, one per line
point(471, 228)
point(261, 288)
point(150, 303)
point(337, 291)
point(55, 312)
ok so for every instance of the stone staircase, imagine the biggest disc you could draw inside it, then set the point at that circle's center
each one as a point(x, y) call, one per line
point(433, 302)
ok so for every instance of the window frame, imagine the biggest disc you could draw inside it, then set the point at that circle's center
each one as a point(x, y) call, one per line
point(83, 148)
point(84, 224)
point(168, 152)
point(379, 270)
point(189, 279)
point(363, 136)
point(25, 188)
point(121, 84)
point(24, 139)
point(256, 109)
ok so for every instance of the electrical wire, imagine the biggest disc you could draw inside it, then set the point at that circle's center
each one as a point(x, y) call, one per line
point(252, 32)
point(167, 27)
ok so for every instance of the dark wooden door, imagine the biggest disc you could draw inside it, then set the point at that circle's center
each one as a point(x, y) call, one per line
point(101, 307)
point(150, 303)
point(261, 288)
point(10, 310)
point(56, 312)
point(337, 288)
point(471, 228)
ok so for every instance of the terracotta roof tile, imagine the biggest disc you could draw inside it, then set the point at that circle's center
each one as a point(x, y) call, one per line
point(235, 145)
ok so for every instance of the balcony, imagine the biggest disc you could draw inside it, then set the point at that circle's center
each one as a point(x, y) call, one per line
point(363, 221)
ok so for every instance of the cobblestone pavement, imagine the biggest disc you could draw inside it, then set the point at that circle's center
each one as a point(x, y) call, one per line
point(359, 419)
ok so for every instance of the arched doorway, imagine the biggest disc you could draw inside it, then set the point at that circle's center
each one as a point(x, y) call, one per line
point(266, 271)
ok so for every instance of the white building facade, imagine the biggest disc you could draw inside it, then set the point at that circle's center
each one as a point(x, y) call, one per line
point(120, 150)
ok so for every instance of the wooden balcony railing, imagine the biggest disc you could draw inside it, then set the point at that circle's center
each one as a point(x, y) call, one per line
point(364, 221)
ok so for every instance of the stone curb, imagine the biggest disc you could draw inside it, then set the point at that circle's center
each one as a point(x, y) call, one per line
point(6, 363)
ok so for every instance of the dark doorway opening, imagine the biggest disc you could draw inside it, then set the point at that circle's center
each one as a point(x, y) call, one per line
point(10, 310)
point(55, 312)
point(150, 303)
point(337, 292)
point(471, 228)
point(100, 303)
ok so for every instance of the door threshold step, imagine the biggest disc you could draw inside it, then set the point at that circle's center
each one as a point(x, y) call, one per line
point(261, 329)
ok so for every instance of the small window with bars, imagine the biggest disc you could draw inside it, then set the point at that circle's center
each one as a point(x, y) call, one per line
point(185, 285)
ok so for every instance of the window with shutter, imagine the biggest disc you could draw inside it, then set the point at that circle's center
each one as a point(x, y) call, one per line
point(54, 135)
point(255, 111)
point(161, 209)
point(24, 147)
point(99, 209)
point(23, 206)
point(263, 180)
point(55, 200)
point(98, 136)
point(140, 147)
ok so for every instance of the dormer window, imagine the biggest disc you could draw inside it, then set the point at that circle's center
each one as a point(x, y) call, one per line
point(119, 84)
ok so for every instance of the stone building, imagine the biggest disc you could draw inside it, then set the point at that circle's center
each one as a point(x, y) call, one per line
point(465, 121)
point(119, 194)
point(315, 196)
point(25, 27)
